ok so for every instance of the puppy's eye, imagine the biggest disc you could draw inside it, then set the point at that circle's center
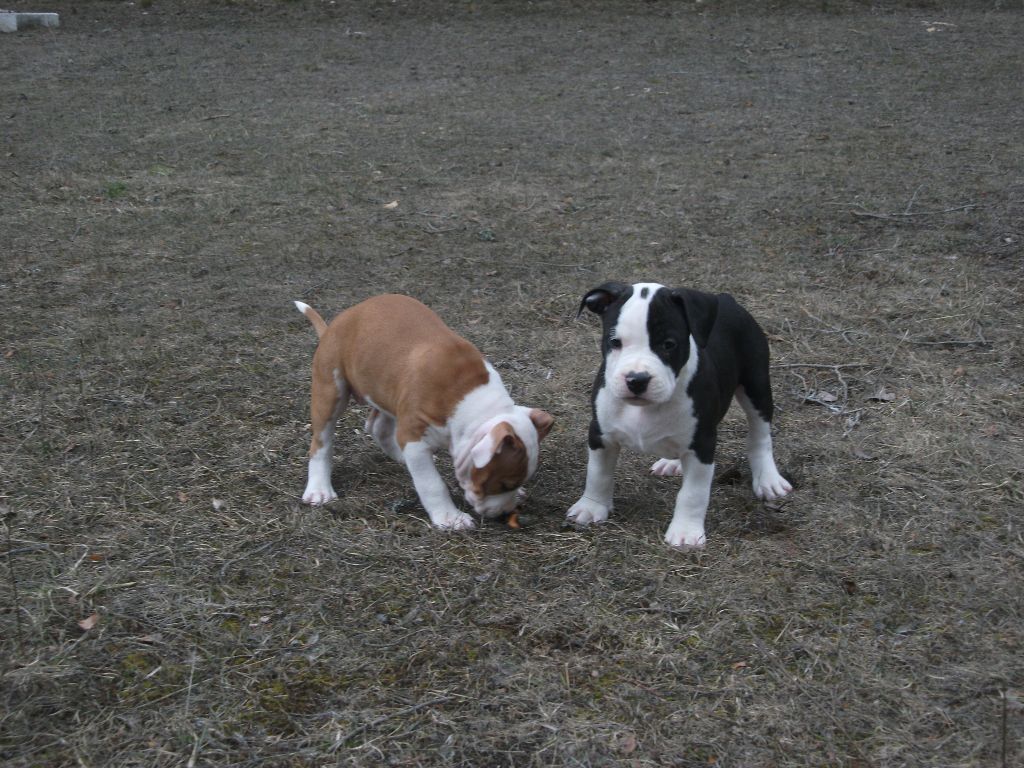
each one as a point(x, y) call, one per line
point(615, 343)
point(668, 345)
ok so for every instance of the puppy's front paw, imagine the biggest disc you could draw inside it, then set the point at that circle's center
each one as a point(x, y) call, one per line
point(769, 485)
point(667, 468)
point(685, 537)
point(453, 521)
point(318, 494)
point(586, 512)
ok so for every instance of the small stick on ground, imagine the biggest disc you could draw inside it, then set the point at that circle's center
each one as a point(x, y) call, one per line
point(831, 366)
point(907, 214)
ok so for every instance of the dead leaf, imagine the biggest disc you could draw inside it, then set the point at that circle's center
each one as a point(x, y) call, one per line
point(820, 397)
point(740, 665)
point(627, 744)
point(182, 497)
point(863, 455)
point(882, 395)
point(89, 622)
point(391, 206)
point(9, 354)
point(992, 430)
point(959, 371)
point(97, 557)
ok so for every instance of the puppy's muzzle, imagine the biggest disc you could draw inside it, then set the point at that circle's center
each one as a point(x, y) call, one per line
point(490, 507)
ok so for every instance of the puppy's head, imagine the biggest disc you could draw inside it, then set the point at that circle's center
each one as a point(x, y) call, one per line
point(649, 333)
point(502, 460)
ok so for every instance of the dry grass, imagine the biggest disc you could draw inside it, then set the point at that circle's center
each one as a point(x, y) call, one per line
point(174, 175)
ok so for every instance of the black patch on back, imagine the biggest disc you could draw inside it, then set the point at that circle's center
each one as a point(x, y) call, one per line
point(644, 292)
point(736, 355)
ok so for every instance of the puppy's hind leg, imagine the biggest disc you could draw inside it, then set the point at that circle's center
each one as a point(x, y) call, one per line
point(329, 398)
point(756, 401)
point(381, 427)
point(667, 468)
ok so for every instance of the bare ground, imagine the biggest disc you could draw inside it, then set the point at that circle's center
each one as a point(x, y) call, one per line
point(172, 175)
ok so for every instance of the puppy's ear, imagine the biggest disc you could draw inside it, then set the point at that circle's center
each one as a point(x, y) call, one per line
point(597, 300)
point(502, 437)
point(700, 310)
point(508, 441)
point(482, 452)
point(542, 420)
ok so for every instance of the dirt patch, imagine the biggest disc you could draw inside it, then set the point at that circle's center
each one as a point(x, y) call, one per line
point(173, 175)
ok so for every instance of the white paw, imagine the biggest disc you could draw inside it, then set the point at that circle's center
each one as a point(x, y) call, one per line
point(586, 512)
point(317, 495)
point(453, 521)
point(769, 485)
point(683, 536)
point(667, 468)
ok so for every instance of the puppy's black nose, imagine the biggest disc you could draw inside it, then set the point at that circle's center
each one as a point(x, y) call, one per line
point(637, 382)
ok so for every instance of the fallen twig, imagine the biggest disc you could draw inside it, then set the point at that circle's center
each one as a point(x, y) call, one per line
point(980, 341)
point(908, 214)
point(659, 609)
point(27, 548)
point(831, 366)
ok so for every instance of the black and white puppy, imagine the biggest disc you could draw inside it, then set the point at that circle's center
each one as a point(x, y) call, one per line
point(673, 360)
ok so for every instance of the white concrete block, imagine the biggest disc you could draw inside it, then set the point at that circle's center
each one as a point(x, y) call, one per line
point(12, 22)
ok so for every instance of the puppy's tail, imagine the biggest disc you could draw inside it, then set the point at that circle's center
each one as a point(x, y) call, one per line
point(313, 316)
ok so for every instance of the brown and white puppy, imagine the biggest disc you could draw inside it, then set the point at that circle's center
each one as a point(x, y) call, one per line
point(428, 389)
